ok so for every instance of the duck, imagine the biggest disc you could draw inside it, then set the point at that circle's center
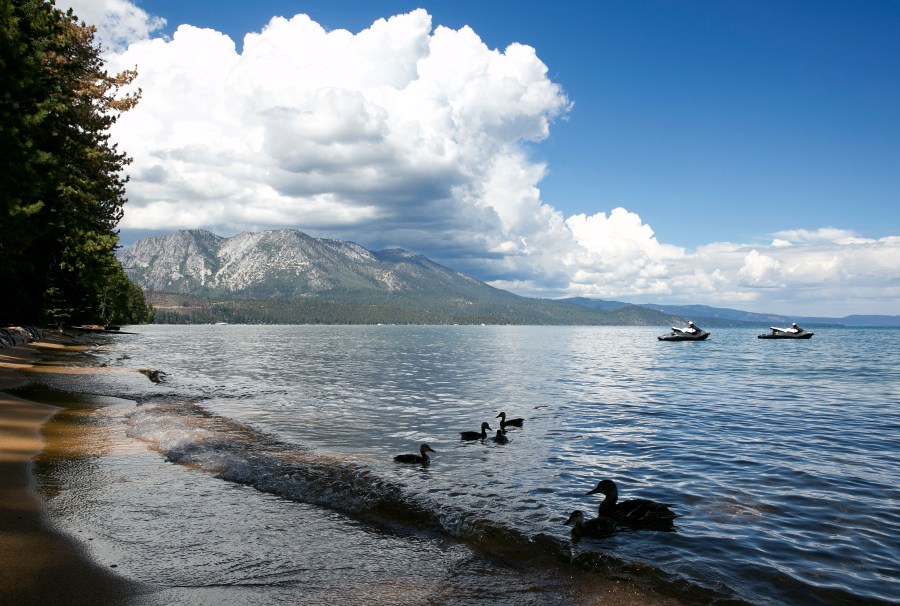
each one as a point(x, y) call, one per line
point(510, 422)
point(416, 458)
point(156, 376)
point(500, 438)
point(475, 435)
point(632, 511)
point(596, 527)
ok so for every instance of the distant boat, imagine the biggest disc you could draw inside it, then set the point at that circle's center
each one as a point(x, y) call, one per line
point(677, 336)
point(785, 333)
point(221, 323)
point(680, 334)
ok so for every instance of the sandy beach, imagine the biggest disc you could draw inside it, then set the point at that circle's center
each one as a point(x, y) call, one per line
point(38, 565)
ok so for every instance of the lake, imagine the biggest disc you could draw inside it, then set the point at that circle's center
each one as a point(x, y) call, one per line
point(261, 468)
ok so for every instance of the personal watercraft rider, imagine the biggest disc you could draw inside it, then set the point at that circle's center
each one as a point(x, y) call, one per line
point(794, 328)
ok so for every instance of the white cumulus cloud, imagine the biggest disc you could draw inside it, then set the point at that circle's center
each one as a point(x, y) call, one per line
point(118, 22)
point(418, 136)
point(761, 270)
point(385, 135)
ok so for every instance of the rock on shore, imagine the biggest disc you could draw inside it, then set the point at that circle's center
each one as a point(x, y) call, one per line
point(12, 336)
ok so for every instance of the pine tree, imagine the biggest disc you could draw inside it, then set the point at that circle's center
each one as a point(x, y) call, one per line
point(61, 179)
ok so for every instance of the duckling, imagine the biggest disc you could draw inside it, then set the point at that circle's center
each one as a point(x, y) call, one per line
point(633, 511)
point(597, 527)
point(475, 435)
point(416, 458)
point(504, 422)
point(500, 438)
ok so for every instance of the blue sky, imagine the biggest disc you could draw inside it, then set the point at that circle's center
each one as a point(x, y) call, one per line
point(759, 139)
point(734, 117)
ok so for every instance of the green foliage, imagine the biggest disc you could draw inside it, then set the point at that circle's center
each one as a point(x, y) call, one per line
point(61, 183)
point(122, 301)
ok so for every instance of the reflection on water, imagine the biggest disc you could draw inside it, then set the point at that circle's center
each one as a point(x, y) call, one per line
point(779, 455)
point(198, 540)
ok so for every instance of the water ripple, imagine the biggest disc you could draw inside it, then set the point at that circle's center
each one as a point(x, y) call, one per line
point(781, 457)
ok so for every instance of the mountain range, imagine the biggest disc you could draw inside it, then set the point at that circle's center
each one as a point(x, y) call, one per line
point(723, 316)
point(286, 276)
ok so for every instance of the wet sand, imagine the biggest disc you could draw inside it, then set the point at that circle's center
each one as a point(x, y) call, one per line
point(38, 565)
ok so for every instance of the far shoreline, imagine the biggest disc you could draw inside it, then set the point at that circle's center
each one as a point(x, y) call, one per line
point(38, 564)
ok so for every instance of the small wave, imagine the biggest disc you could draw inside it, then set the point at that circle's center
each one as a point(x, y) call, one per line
point(187, 434)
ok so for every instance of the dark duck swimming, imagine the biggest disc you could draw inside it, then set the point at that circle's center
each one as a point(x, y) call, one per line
point(504, 422)
point(475, 435)
point(500, 438)
point(597, 527)
point(638, 512)
point(420, 458)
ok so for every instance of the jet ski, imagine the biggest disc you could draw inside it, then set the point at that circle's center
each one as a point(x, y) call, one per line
point(795, 332)
point(685, 334)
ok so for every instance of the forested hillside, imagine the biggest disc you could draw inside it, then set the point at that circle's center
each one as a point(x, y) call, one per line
point(181, 309)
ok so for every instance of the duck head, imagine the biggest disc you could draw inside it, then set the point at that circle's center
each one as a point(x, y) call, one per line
point(576, 517)
point(607, 488)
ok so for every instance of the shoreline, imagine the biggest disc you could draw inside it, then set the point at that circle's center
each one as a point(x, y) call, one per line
point(39, 564)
